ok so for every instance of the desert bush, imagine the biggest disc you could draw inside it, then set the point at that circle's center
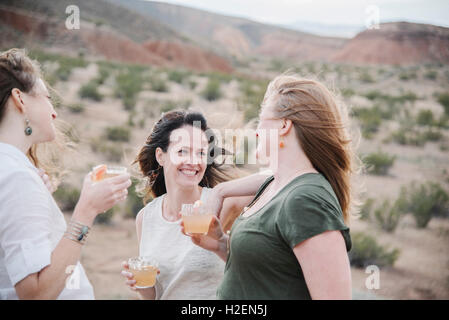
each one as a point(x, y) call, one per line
point(379, 163)
point(192, 84)
point(90, 91)
point(177, 76)
point(67, 197)
point(407, 75)
point(425, 201)
point(347, 92)
point(366, 209)
point(370, 120)
point(407, 134)
point(252, 94)
point(105, 218)
point(431, 74)
point(128, 85)
point(366, 77)
point(366, 251)
point(443, 99)
point(118, 134)
point(158, 84)
point(111, 151)
point(76, 107)
point(212, 91)
point(425, 118)
point(387, 216)
point(134, 203)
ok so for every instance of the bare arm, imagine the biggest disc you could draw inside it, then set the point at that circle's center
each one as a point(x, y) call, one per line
point(50, 281)
point(246, 186)
point(325, 265)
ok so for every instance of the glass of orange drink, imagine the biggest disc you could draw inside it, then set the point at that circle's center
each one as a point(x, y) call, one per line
point(104, 171)
point(144, 270)
point(196, 218)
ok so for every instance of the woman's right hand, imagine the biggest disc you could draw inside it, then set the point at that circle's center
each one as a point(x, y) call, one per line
point(98, 197)
point(210, 241)
point(130, 282)
point(147, 293)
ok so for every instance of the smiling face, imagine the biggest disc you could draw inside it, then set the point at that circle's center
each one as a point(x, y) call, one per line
point(185, 161)
point(41, 113)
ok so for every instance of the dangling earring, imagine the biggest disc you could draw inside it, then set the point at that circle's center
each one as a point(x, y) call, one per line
point(281, 144)
point(28, 130)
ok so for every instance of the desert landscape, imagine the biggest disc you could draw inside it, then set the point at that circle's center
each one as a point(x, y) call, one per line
point(112, 79)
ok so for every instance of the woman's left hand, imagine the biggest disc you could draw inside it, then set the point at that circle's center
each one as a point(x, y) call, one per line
point(46, 179)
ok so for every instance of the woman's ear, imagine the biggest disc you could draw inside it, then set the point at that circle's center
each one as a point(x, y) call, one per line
point(287, 125)
point(160, 156)
point(17, 100)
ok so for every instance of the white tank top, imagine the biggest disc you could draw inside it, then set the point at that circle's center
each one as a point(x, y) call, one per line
point(186, 270)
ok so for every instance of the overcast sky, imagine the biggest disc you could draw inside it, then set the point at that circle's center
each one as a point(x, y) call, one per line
point(344, 12)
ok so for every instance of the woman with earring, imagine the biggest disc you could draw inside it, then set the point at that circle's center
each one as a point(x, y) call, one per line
point(291, 242)
point(39, 252)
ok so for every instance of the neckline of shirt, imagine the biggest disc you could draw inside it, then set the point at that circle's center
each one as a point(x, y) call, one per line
point(15, 153)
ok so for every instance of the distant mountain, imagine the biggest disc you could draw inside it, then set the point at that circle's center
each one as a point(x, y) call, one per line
point(171, 35)
point(397, 43)
point(106, 30)
point(236, 37)
point(329, 30)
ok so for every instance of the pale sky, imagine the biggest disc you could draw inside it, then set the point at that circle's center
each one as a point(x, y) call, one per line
point(344, 12)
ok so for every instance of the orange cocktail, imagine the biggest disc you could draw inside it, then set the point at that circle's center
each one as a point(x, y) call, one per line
point(103, 171)
point(196, 218)
point(144, 271)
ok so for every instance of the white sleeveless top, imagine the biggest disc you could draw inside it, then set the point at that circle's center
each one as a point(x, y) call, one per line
point(187, 271)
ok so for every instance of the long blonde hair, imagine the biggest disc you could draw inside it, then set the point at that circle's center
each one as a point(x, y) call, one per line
point(321, 125)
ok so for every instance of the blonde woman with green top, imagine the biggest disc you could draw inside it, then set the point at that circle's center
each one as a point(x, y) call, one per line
point(291, 242)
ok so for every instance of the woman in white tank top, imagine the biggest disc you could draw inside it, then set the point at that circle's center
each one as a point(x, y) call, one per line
point(179, 167)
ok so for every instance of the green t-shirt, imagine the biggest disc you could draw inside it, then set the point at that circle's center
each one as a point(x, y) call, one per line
point(261, 263)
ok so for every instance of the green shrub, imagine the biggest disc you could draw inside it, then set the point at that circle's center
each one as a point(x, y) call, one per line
point(90, 91)
point(134, 203)
point(192, 84)
point(118, 134)
point(370, 120)
point(366, 209)
point(431, 74)
point(379, 163)
point(177, 76)
point(366, 251)
point(347, 92)
point(105, 218)
point(212, 91)
point(366, 77)
point(407, 134)
point(112, 152)
point(67, 197)
point(158, 84)
point(425, 118)
point(443, 99)
point(252, 94)
point(425, 201)
point(76, 107)
point(387, 217)
point(407, 75)
point(128, 85)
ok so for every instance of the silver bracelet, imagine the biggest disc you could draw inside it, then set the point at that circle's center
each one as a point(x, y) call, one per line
point(76, 231)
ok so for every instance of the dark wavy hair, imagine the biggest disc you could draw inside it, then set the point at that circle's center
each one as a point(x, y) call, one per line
point(160, 138)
